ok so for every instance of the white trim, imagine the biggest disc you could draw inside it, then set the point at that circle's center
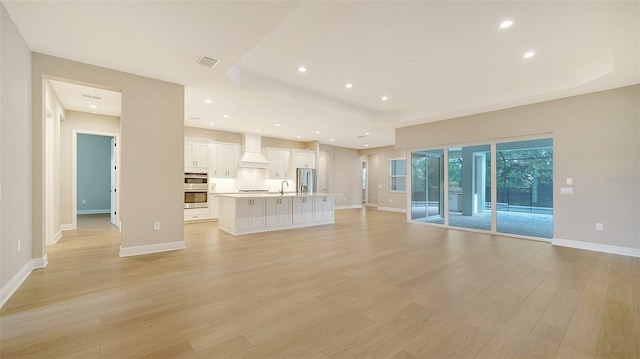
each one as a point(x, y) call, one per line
point(94, 211)
point(151, 248)
point(7, 291)
point(375, 205)
point(391, 209)
point(40, 262)
point(597, 247)
point(58, 236)
point(349, 207)
point(66, 227)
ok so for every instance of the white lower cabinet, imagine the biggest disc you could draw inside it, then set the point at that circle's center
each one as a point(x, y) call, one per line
point(302, 210)
point(278, 211)
point(250, 213)
point(323, 208)
point(196, 214)
point(242, 214)
point(213, 206)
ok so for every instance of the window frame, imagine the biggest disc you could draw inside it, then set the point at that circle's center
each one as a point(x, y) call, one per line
point(392, 176)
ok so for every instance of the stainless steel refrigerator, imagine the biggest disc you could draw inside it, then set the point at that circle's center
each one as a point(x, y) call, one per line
point(306, 180)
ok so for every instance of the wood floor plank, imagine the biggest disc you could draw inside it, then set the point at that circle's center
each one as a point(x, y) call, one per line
point(370, 285)
point(581, 337)
point(617, 334)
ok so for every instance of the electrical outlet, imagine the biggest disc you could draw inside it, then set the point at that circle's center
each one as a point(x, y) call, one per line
point(599, 227)
point(84, 201)
point(156, 226)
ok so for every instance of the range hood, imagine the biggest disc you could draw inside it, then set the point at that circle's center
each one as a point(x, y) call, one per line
point(252, 156)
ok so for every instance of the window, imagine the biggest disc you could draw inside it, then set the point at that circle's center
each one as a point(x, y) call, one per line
point(397, 175)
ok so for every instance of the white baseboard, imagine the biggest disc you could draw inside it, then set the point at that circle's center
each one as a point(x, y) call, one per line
point(94, 211)
point(151, 248)
point(40, 262)
point(57, 236)
point(375, 205)
point(66, 227)
point(349, 207)
point(605, 248)
point(391, 209)
point(7, 291)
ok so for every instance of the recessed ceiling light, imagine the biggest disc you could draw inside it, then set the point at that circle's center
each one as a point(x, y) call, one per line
point(366, 145)
point(331, 140)
point(208, 100)
point(277, 125)
point(225, 116)
point(348, 85)
point(93, 106)
point(506, 24)
point(298, 137)
point(384, 98)
point(529, 54)
point(367, 133)
point(258, 131)
point(317, 132)
point(302, 69)
point(211, 123)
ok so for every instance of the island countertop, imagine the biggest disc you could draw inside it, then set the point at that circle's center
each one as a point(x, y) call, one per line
point(244, 213)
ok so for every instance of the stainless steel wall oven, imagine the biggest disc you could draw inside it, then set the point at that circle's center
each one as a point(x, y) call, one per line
point(196, 190)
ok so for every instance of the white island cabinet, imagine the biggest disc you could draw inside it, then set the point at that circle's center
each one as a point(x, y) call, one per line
point(254, 213)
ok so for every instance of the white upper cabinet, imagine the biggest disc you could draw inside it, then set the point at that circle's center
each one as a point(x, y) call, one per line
point(279, 163)
point(305, 159)
point(224, 160)
point(196, 157)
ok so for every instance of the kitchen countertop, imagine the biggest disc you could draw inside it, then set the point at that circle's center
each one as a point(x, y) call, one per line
point(276, 194)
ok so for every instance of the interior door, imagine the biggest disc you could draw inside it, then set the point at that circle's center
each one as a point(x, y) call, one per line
point(114, 167)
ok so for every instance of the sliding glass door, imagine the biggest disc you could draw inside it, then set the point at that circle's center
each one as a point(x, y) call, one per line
point(525, 188)
point(427, 186)
point(470, 187)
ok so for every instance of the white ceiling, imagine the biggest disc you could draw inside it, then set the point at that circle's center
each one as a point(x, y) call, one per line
point(88, 99)
point(434, 60)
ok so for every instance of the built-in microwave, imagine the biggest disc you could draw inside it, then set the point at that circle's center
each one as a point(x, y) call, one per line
point(195, 181)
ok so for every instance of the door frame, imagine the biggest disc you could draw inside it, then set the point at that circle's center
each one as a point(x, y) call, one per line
point(365, 165)
point(74, 173)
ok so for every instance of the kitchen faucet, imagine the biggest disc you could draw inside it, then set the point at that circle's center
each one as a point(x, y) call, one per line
point(282, 186)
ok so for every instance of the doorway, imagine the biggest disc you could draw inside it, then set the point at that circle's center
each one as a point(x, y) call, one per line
point(365, 187)
point(95, 165)
point(70, 109)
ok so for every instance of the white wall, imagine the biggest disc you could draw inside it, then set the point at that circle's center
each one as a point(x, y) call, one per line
point(596, 140)
point(15, 155)
point(55, 113)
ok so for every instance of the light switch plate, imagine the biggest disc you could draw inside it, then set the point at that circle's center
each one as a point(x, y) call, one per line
point(599, 227)
point(156, 226)
point(570, 181)
point(566, 190)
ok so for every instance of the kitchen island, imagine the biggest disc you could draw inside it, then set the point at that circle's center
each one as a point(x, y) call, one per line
point(241, 213)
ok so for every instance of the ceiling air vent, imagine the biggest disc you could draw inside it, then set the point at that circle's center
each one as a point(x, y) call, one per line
point(92, 97)
point(209, 62)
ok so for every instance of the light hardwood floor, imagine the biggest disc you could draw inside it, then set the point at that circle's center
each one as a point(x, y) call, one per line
point(368, 286)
